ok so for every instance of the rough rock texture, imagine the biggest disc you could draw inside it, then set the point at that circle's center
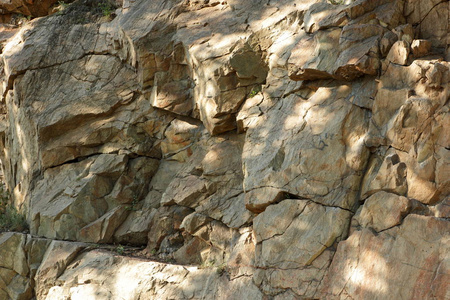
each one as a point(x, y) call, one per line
point(242, 149)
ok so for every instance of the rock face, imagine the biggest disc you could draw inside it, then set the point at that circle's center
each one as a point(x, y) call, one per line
point(255, 150)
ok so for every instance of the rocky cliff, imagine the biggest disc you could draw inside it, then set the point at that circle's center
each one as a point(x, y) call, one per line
point(177, 149)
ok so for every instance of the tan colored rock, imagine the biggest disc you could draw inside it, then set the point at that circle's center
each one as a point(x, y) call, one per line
point(294, 153)
point(194, 221)
point(15, 282)
point(420, 48)
point(135, 228)
point(124, 277)
point(166, 173)
point(404, 33)
point(323, 15)
point(290, 252)
point(36, 249)
point(28, 8)
point(388, 39)
point(302, 282)
point(166, 223)
point(258, 199)
point(396, 115)
point(431, 17)
point(13, 252)
point(241, 260)
point(102, 229)
point(248, 113)
point(383, 210)
point(90, 196)
point(192, 252)
point(179, 139)
point(388, 13)
point(136, 116)
point(399, 53)
point(388, 174)
point(411, 262)
point(305, 63)
point(58, 256)
point(275, 226)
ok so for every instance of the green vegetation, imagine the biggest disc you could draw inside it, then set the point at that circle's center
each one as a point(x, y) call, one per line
point(336, 2)
point(133, 206)
point(58, 9)
point(120, 249)
point(10, 218)
point(107, 8)
point(254, 92)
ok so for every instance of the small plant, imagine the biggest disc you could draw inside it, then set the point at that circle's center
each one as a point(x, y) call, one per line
point(107, 8)
point(221, 268)
point(10, 218)
point(120, 249)
point(336, 2)
point(255, 91)
point(20, 19)
point(208, 264)
point(133, 206)
point(60, 7)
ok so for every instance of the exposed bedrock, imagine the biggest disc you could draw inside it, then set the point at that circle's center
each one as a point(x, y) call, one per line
point(228, 150)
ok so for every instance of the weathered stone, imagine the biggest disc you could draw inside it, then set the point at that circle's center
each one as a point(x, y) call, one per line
point(102, 229)
point(305, 63)
point(15, 282)
point(388, 39)
point(248, 113)
point(274, 227)
point(179, 139)
point(58, 256)
point(192, 252)
point(165, 222)
point(383, 210)
point(323, 15)
point(36, 248)
point(242, 257)
point(28, 8)
point(193, 222)
point(388, 175)
point(291, 150)
point(120, 130)
point(398, 272)
point(420, 48)
point(114, 276)
point(12, 252)
point(431, 17)
point(399, 53)
point(290, 253)
point(405, 33)
point(135, 228)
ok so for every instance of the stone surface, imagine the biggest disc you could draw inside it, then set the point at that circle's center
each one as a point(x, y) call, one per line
point(383, 210)
point(14, 269)
point(292, 240)
point(128, 278)
point(313, 143)
point(28, 8)
point(401, 269)
point(420, 48)
point(58, 256)
point(399, 53)
point(273, 149)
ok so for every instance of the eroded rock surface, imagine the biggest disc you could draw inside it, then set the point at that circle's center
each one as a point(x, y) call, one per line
point(255, 149)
